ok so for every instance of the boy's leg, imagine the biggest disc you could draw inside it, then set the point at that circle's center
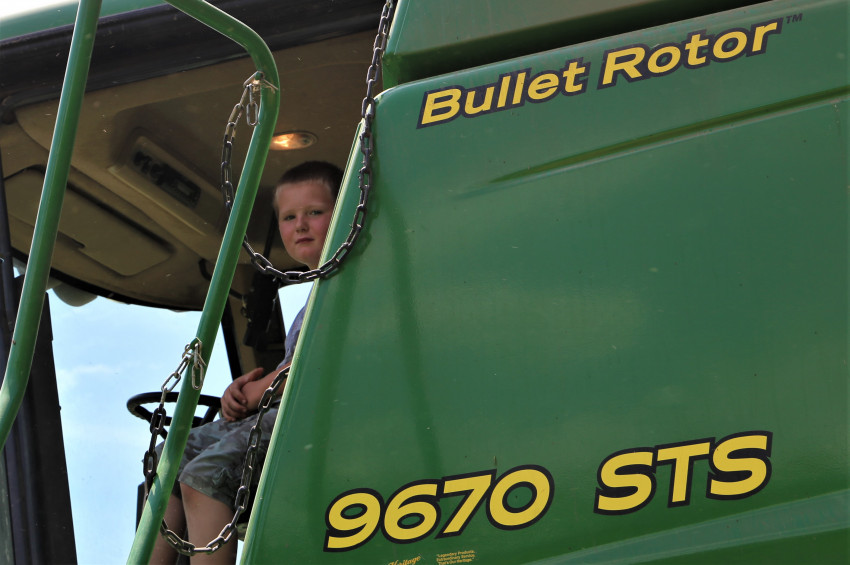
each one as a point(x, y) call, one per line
point(176, 520)
point(214, 476)
point(205, 518)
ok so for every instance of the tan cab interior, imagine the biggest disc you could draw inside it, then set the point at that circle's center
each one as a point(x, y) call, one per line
point(143, 215)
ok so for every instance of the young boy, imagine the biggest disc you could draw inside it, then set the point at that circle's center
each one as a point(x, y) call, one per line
point(212, 463)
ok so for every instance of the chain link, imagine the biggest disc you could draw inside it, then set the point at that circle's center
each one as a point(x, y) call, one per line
point(227, 188)
point(192, 353)
point(367, 113)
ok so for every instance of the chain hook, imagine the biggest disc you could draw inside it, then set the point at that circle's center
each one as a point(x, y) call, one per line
point(198, 364)
point(252, 89)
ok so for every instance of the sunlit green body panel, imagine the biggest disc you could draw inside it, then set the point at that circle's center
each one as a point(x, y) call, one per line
point(431, 38)
point(658, 262)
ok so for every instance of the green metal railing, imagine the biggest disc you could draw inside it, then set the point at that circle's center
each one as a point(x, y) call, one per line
point(47, 221)
point(225, 266)
point(44, 236)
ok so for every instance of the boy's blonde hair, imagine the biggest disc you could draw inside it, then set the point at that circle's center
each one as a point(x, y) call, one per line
point(320, 171)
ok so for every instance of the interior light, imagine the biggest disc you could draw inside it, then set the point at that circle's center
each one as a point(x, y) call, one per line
point(292, 140)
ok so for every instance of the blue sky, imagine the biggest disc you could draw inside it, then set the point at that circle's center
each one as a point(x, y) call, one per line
point(106, 352)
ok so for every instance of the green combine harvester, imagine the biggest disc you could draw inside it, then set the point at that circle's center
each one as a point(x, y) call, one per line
point(597, 311)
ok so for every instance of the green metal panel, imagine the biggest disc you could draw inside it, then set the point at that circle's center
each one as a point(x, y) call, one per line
point(635, 269)
point(437, 37)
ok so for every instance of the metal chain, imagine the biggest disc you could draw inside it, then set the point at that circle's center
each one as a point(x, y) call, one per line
point(367, 113)
point(247, 101)
point(193, 354)
point(243, 494)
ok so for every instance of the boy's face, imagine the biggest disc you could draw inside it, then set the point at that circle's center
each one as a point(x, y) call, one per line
point(303, 214)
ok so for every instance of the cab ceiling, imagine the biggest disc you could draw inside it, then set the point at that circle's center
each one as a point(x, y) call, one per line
point(143, 216)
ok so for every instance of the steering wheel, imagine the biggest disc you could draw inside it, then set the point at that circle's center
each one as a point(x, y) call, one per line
point(134, 405)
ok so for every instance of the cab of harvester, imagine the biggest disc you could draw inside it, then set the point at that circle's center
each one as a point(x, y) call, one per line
point(597, 311)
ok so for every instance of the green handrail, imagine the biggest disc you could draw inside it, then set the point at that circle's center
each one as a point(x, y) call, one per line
point(47, 220)
point(225, 266)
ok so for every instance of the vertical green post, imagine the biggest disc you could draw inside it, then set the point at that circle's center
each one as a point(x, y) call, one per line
point(225, 266)
point(47, 221)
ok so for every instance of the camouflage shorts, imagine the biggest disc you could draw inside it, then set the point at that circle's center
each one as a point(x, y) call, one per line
point(214, 457)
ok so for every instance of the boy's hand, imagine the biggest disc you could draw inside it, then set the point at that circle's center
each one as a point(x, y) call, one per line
point(234, 403)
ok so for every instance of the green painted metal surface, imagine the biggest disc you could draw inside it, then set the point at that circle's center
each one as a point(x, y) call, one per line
point(431, 38)
point(63, 14)
point(650, 273)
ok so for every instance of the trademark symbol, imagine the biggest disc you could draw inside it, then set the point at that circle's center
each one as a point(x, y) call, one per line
point(794, 18)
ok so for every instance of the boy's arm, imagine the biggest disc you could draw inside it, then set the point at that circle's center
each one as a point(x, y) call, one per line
point(233, 400)
point(254, 390)
point(244, 394)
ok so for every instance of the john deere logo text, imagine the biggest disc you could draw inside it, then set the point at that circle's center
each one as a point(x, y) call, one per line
point(631, 63)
